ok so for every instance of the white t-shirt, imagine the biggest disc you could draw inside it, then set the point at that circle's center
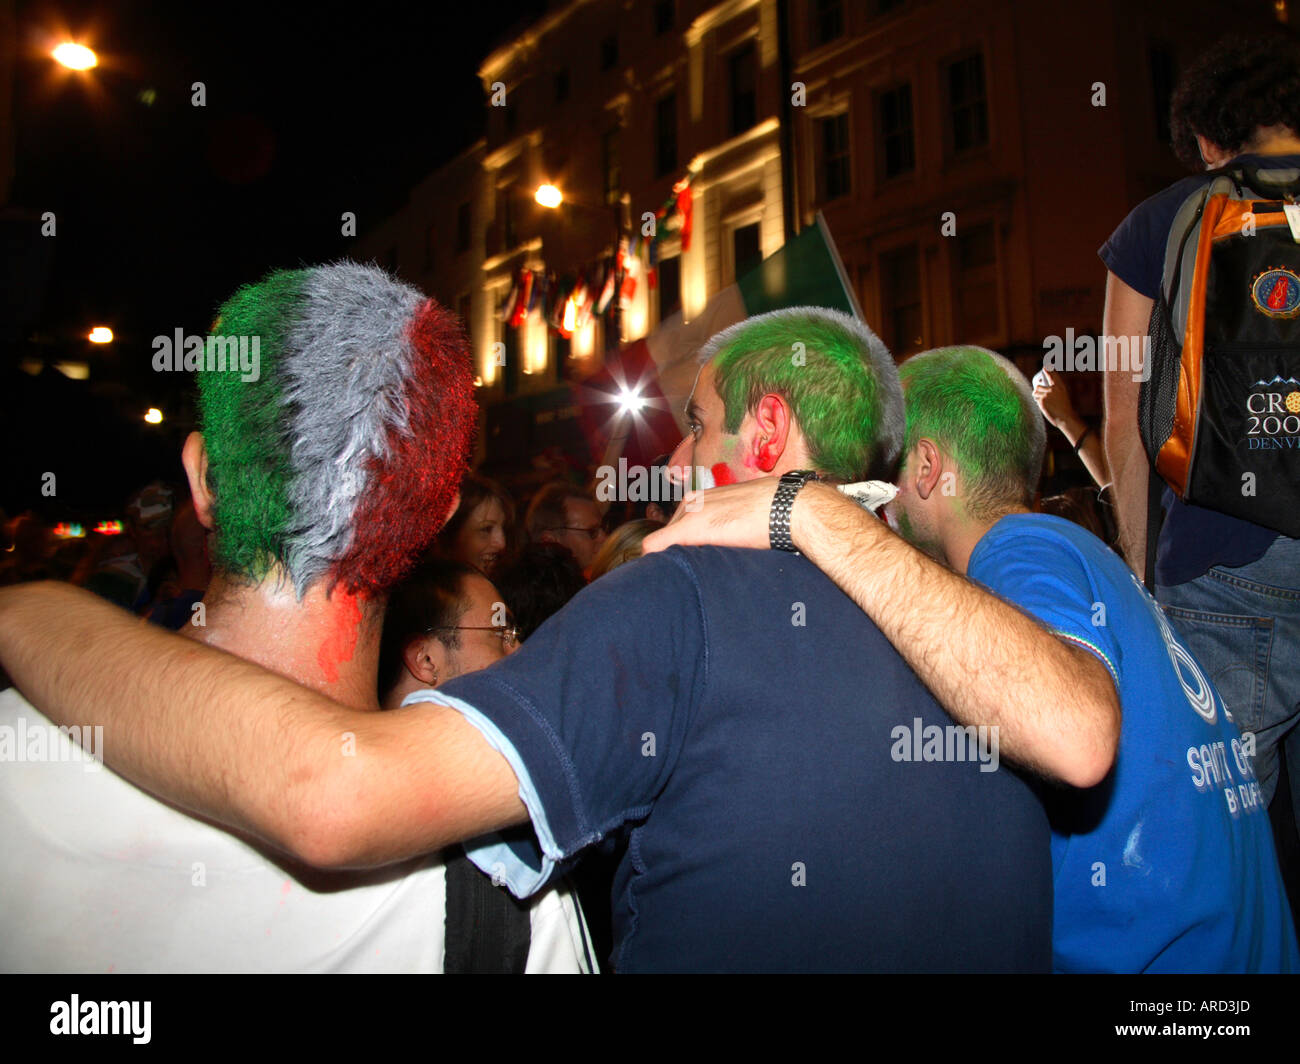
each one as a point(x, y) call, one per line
point(98, 876)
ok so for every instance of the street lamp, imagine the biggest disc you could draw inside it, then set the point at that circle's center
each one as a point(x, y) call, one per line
point(75, 56)
point(100, 334)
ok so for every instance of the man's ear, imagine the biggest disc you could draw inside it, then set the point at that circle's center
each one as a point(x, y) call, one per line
point(425, 658)
point(1211, 154)
point(772, 420)
point(926, 467)
point(194, 457)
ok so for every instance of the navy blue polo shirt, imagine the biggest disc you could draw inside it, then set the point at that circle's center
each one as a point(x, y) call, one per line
point(761, 745)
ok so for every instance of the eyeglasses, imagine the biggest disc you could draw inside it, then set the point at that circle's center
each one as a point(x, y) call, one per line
point(591, 533)
point(509, 633)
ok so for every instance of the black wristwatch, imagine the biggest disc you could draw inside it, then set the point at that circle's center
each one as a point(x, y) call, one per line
point(778, 523)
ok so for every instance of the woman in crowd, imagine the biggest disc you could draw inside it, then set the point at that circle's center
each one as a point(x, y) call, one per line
point(481, 530)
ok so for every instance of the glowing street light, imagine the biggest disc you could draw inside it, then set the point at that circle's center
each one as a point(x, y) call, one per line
point(153, 415)
point(100, 334)
point(75, 56)
point(630, 401)
point(549, 196)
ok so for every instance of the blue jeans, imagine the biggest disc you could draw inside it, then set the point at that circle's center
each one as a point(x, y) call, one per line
point(1243, 625)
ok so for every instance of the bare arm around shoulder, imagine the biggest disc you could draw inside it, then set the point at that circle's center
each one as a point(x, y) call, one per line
point(985, 661)
point(222, 737)
point(1128, 313)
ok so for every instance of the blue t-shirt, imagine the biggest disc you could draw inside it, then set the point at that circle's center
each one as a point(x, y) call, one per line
point(1168, 865)
point(1192, 538)
point(772, 760)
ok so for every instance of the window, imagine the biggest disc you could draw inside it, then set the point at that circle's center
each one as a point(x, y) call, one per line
point(666, 135)
point(827, 20)
point(509, 229)
point(967, 102)
point(611, 167)
point(462, 228)
point(608, 53)
point(976, 284)
point(745, 249)
point(430, 246)
point(665, 16)
point(561, 85)
point(670, 286)
point(833, 158)
point(900, 300)
point(897, 151)
point(744, 89)
point(1164, 74)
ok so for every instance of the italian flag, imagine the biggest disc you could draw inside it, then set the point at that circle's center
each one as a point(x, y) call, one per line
point(661, 367)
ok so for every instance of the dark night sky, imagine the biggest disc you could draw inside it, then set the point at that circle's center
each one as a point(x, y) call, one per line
point(310, 112)
point(163, 210)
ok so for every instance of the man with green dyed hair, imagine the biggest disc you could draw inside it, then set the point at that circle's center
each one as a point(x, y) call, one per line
point(844, 403)
point(971, 399)
point(1161, 849)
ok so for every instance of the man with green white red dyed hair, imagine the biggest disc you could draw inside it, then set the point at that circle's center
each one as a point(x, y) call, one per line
point(321, 478)
point(1164, 861)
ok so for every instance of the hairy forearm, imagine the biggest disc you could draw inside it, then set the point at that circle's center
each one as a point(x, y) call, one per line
point(1127, 313)
point(984, 660)
point(229, 740)
point(1129, 468)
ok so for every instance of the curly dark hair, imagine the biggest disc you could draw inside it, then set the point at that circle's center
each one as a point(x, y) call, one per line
point(1243, 83)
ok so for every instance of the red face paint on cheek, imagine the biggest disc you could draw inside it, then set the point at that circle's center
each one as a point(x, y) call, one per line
point(722, 474)
point(341, 642)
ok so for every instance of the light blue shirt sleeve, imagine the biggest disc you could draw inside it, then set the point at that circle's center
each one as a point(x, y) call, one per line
point(491, 853)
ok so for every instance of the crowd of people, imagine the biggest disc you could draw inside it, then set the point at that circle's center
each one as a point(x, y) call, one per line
point(390, 716)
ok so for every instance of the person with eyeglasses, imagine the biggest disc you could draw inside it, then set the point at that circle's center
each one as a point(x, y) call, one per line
point(445, 620)
point(564, 514)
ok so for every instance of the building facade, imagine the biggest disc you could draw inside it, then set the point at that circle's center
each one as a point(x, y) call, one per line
point(969, 156)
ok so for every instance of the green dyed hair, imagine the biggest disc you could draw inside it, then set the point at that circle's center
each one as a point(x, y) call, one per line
point(839, 379)
point(242, 424)
point(979, 409)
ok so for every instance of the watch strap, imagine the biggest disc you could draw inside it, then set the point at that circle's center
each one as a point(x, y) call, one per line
point(778, 522)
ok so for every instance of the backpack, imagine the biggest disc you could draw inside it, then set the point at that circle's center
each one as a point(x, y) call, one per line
point(487, 931)
point(1219, 414)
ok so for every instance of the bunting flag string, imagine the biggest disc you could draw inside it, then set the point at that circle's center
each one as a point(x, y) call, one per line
point(568, 302)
